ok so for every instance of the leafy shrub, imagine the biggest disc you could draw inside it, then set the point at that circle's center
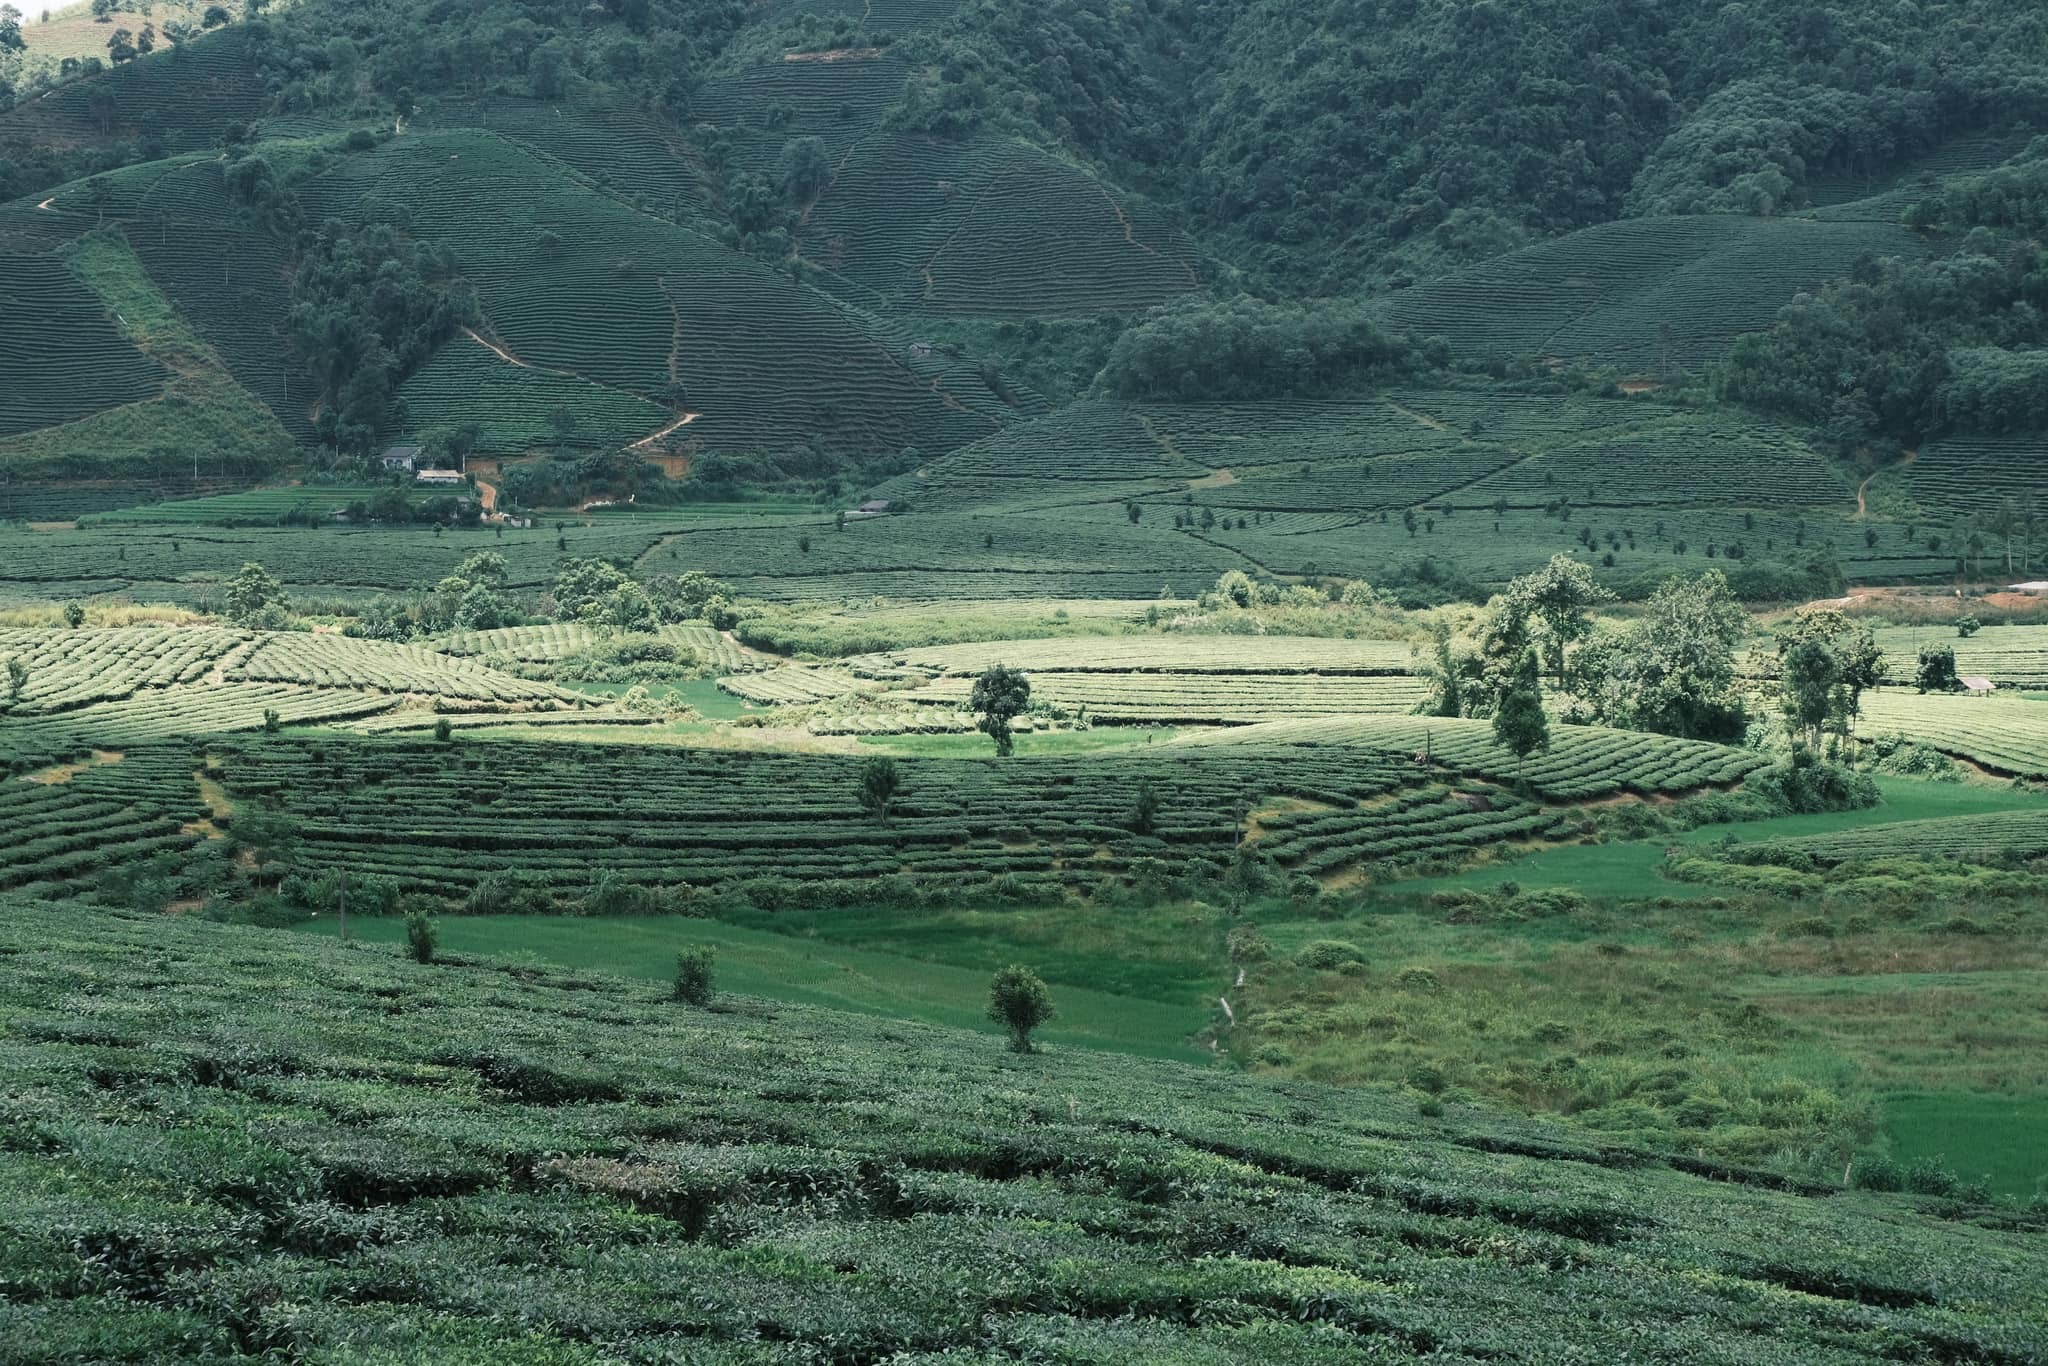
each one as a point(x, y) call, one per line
point(1418, 979)
point(1928, 1177)
point(1247, 945)
point(1328, 955)
point(1428, 1079)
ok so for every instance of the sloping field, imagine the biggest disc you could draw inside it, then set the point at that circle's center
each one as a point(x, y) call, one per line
point(60, 355)
point(185, 94)
point(1653, 294)
point(580, 283)
point(1979, 474)
point(891, 1190)
point(463, 382)
point(1170, 653)
point(993, 228)
point(552, 817)
point(179, 713)
point(1582, 761)
point(2021, 834)
point(2006, 734)
point(2010, 656)
point(112, 688)
point(546, 644)
point(1202, 698)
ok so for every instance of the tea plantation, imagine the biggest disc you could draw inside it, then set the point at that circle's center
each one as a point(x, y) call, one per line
point(1099, 683)
point(313, 1145)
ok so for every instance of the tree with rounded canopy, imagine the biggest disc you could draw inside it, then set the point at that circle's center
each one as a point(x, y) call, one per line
point(1518, 720)
point(1018, 1001)
point(1937, 671)
point(1000, 696)
point(1673, 671)
point(1553, 603)
point(879, 782)
point(1235, 587)
point(253, 594)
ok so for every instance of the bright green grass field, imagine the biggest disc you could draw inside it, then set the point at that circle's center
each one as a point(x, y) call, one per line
point(1629, 869)
point(782, 967)
point(1999, 1140)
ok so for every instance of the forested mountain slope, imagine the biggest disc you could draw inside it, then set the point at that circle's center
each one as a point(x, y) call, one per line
point(820, 244)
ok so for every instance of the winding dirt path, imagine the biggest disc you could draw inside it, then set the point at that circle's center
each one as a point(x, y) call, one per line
point(500, 352)
point(685, 420)
point(1123, 221)
point(45, 205)
point(1863, 489)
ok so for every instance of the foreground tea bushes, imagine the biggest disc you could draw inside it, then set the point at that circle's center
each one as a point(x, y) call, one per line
point(221, 1142)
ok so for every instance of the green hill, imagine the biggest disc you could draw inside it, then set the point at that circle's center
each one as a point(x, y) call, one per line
point(923, 243)
point(340, 1155)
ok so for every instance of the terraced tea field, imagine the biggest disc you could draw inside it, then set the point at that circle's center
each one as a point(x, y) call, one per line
point(2005, 734)
point(65, 829)
point(555, 641)
point(1654, 294)
point(1157, 679)
point(60, 353)
point(464, 383)
point(552, 817)
point(1979, 474)
point(118, 687)
point(1583, 762)
point(581, 285)
point(1998, 834)
point(2010, 656)
point(990, 229)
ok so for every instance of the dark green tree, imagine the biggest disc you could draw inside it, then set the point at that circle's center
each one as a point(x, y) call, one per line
point(1000, 696)
point(1519, 722)
point(694, 970)
point(1937, 669)
point(422, 937)
point(1020, 1003)
point(879, 783)
point(1145, 808)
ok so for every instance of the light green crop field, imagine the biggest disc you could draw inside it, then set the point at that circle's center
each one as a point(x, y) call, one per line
point(823, 972)
point(1989, 1138)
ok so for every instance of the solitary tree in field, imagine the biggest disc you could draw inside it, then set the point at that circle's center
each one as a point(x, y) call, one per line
point(17, 676)
point(693, 974)
point(1145, 809)
point(74, 615)
point(1018, 1001)
point(251, 592)
point(1518, 720)
point(1937, 672)
point(879, 782)
point(421, 938)
point(1000, 697)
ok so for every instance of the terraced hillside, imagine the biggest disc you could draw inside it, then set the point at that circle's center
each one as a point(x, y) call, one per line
point(109, 689)
point(1650, 295)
